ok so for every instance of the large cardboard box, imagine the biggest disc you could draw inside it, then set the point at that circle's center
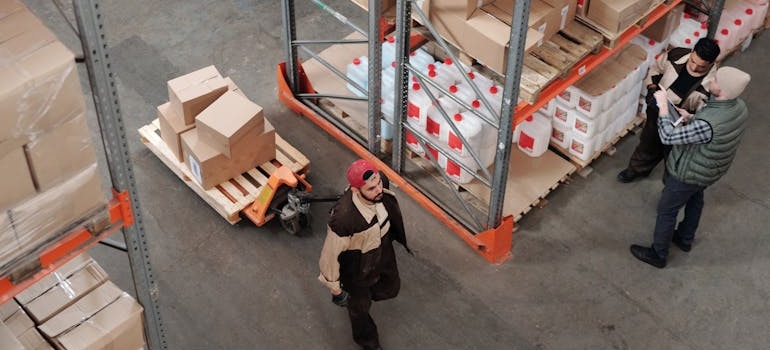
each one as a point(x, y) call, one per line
point(663, 27)
point(234, 88)
point(31, 339)
point(106, 318)
point(8, 7)
point(193, 92)
point(617, 15)
point(18, 21)
point(210, 168)
point(8, 309)
point(543, 17)
point(66, 291)
point(19, 322)
point(480, 34)
point(60, 153)
point(15, 179)
point(8, 339)
point(49, 213)
point(65, 270)
point(566, 8)
point(228, 120)
point(172, 126)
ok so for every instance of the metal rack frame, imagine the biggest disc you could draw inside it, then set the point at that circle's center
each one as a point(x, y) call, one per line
point(123, 212)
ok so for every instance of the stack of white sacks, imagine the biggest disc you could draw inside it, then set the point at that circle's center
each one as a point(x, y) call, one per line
point(428, 121)
point(591, 112)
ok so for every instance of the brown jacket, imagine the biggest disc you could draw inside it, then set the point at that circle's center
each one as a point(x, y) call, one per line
point(665, 70)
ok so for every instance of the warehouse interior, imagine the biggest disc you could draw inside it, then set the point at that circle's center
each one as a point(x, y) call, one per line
point(570, 283)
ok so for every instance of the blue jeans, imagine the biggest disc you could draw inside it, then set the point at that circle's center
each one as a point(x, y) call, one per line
point(677, 194)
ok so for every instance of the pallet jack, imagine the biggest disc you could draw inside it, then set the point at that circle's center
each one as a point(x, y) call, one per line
point(286, 194)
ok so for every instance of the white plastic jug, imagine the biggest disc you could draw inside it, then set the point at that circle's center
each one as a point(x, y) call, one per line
point(563, 115)
point(582, 146)
point(418, 105)
point(455, 172)
point(561, 135)
point(449, 68)
point(420, 59)
point(469, 127)
point(653, 48)
point(436, 124)
point(585, 126)
point(755, 13)
point(388, 51)
point(534, 135)
point(725, 38)
point(463, 92)
point(358, 71)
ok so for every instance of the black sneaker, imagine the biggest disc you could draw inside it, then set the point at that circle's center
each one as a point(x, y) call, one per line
point(648, 255)
point(628, 175)
point(680, 244)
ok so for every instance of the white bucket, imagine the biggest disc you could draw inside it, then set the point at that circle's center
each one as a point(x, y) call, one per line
point(581, 146)
point(534, 135)
point(590, 104)
point(569, 96)
point(548, 108)
point(441, 79)
point(420, 59)
point(585, 126)
point(449, 68)
point(563, 115)
point(358, 71)
point(463, 93)
point(561, 135)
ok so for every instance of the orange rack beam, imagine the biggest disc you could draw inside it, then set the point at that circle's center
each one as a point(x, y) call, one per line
point(493, 244)
point(524, 109)
point(71, 245)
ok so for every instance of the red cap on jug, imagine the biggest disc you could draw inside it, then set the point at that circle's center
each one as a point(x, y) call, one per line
point(476, 104)
point(458, 117)
point(453, 88)
point(391, 39)
point(493, 90)
point(356, 61)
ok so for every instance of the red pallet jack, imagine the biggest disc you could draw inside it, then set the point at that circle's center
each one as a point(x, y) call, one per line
point(286, 195)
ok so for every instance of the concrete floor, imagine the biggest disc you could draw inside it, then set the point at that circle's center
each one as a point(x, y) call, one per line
point(571, 283)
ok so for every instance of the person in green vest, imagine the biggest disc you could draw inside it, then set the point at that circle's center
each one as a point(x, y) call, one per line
point(703, 148)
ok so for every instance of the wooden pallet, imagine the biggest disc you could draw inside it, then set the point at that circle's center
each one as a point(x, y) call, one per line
point(229, 197)
point(607, 148)
point(555, 58)
point(610, 37)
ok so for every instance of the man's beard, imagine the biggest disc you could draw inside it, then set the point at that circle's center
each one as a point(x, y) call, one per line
point(377, 199)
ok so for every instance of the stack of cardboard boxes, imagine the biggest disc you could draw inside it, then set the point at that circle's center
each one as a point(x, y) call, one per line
point(213, 128)
point(481, 28)
point(49, 177)
point(615, 16)
point(76, 307)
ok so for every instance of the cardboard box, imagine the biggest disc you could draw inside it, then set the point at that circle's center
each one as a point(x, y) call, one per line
point(31, 339)
point(39, 91)
point(65, 270)
point(8, 309)
point(19, 323)
point(481, 35)
point(106, 318)
point(10, 6)
point(9, 249)
point(172, 126)
point(663, 27)
point(234, 88)
point(65, 292)
point(566, 8)
point(228, 120)
point(193, 92)
point(60, 153)
point(210, 168)
point(617, 15)
point(543, 17)
point(8, 339)
point(15, 179)
point(58, 209)
point(19, 21)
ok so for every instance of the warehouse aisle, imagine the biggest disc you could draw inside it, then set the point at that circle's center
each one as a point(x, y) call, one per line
point(571, 283)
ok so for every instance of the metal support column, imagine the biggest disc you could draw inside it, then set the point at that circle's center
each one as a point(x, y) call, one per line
point(401, 86)
point(514, 61)
point(112, 128)
point(374, 78)
point(715, 14)
point(290, 34)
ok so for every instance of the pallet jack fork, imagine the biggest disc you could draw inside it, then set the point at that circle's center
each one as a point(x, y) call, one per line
point(286, 194)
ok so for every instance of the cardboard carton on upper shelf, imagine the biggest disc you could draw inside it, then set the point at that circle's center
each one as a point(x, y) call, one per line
point(31, 339)
point(193, 92)
point(210, 168)
point(19, 322)
point(66, 290)
point(663, 27)
point(566, 8)
point(15, 181)
point(105, 318)
point(228, 120)
point(617, 15)
point(543, 17)
point(9, 307)
point(476, 32)
point(58, 154)
point(9, 249)
point(59, 209)
point(172, 126)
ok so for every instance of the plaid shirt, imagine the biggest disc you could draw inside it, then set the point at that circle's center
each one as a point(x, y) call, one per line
point(696, 131)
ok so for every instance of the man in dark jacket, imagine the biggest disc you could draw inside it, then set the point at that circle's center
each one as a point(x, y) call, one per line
point(683, 73)
point(358, 262)
point(703, 150)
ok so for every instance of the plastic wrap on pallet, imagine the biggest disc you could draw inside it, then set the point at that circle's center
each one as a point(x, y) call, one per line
point(43, 218)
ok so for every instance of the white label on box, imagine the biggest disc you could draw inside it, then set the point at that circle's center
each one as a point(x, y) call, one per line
point(564, 11)
point(196, 170)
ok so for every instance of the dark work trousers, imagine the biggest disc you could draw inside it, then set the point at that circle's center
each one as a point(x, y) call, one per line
point(386, 287)
point(650, 150)
point(677, 194)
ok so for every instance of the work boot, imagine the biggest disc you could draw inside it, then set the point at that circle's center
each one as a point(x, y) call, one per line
point(628, 175)
point(648, 255)
point(680, 244)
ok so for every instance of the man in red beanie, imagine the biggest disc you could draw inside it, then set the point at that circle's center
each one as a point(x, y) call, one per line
point(358, 262)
